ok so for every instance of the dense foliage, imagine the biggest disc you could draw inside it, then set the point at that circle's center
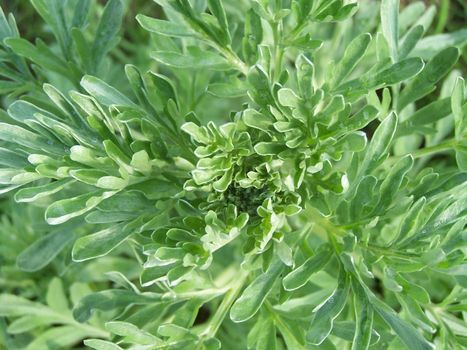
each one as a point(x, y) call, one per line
point(264, 174)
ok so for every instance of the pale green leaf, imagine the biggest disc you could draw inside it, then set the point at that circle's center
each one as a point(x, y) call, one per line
point(302, 274)
point(325, 313)
point(162, 27)
point(44, 250)
point(255, 294)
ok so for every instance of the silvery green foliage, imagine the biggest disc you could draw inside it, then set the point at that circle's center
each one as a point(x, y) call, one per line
point(278, 179)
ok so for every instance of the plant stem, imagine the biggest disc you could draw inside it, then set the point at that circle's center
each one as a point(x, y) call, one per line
point(389, 252)
point(331, 230)
point(229, 298)
point(444, 146)
point(228, 53)
point(427, 151)
point(443, 16)
point(206, 293)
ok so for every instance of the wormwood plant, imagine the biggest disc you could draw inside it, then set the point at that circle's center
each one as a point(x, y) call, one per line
point(271, 174)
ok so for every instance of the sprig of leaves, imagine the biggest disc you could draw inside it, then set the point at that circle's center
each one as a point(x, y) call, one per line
point(314, 215)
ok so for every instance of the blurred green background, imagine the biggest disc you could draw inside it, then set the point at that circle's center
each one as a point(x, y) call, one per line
point(451, 16)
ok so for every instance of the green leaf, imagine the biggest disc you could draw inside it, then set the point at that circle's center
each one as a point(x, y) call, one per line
point(288, 98)
point(359, 120)
point(431, 45)
point(52, 11)
point(80, 13)
point(410, 40)
point(132, 333)
point(126, 201)
point(396, 73)
point(257, 120)
point(324, 314)
point(9, 86)
point(103, 92)
point(29, 323)
point(44, 250)
point(352, 55)
point(457, 102)
point(393, 181)
point(410, 14)
point(162, 27)
point(165, 89)
point(390, 25)
point(461, 159)
point(379, 145)
point(363, 319)
point(253, 36)
point(100, 243)
point(414, 290)
point(255, 294)
point(39, 54)
point(62, 337)
point(26, 138)
point(305, 73)
point(108, 28)
point(364, 197)
point(56, 297)
point(13, 305)
point(82, 48)
point(353, 142)
point(110, 300)
point(259, 81)
point(100, 344)
point(302, 274)
point(12, 159)
point(137, 83)
point(428, 114)
point(32, 194)
point(193, 59)
point(66, 209)
point(410, 220)
point(5, 30)
point(269, 148)
point(434, 70)
point(141, 162)
point(406, 332)
point(265, 337)
point(225, 90)
point(217, 9)
point(87, 176)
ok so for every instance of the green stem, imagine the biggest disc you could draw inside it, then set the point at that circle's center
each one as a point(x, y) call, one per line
point(331, 230)
point(427, 151)
point(204, 293)
point(234, 59)
point(93, 332)
point(452, 297)
point(293, 34)
point(90, 330)
point(228, 53)
point(229, 298)
point(443, 16)
point(389, 252)
point(395, 96)
point(325, 223)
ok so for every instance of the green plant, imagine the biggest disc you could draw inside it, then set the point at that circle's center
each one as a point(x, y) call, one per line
point(327, 210)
